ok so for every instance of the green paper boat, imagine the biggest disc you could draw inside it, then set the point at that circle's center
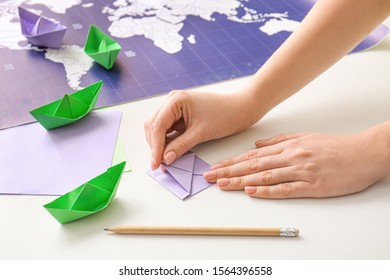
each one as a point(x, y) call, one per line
point(69, 109)
point(101, 47)
point(87, 199)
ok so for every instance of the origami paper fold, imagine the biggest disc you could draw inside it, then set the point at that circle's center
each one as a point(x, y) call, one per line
point(87, 199)
point(68, 109)
point(101, 47)
point(41, 31)
point(184, 177)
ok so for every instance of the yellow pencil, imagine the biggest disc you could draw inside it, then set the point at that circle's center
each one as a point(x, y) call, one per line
point(227, 231)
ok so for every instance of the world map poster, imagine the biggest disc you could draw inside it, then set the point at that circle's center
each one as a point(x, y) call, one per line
point(166, 45)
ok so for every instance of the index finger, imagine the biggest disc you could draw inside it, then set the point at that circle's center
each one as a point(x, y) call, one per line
point(148, 125)
point(158, 130)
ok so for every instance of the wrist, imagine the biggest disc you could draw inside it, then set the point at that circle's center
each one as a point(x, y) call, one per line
point(256, 103)
point(376, 141)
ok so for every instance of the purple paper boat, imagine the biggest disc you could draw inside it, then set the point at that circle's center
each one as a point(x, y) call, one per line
point(41, 31)
point(184, 177)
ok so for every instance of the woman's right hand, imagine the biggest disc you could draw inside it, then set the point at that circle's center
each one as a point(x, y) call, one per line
point(189, 118)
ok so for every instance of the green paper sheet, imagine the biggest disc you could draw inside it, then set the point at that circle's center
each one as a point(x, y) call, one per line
point(101, 47)
point(69, 109)
point(87, 199)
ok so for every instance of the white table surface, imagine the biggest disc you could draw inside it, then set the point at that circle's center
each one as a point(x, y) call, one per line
point(353, 95)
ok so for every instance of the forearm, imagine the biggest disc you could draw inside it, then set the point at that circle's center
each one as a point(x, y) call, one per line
point(330, 30)
point(376, 141)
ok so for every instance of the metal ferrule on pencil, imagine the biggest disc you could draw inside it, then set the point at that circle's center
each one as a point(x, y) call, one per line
point(289, 232)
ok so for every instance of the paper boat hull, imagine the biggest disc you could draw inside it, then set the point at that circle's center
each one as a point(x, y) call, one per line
point(50, 122)
point(67, 216)
point(50, 40)
point(105, 57)
point(89, 198)
point(54, 114)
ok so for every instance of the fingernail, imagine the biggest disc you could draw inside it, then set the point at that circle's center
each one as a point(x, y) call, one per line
point(223, 182)
point(163, 169)
point(210, 175)
point(169, 158)
point(250, 190)
point(153, 164)
point(216, 166)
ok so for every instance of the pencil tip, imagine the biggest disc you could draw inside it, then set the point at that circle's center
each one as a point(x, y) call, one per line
point(106, 229)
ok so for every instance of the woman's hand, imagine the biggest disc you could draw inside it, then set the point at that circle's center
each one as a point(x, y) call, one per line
point(306, 165)
point(189, 118)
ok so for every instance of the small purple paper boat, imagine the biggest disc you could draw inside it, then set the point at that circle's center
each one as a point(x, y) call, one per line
point(41, 31)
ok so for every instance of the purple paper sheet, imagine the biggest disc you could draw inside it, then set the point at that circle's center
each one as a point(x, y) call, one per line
point(184, 177)
point(34, 160)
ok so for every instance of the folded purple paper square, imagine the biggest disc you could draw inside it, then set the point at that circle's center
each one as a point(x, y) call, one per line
point(184, 177)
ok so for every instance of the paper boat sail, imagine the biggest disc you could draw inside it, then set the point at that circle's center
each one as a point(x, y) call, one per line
point(89, 198)
point(41, 31)
point(101, 47)
point(69, 109)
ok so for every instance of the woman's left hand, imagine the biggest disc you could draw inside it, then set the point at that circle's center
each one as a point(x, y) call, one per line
point(304, 165)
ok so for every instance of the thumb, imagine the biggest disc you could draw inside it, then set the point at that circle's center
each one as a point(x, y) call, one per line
point(180, 145)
